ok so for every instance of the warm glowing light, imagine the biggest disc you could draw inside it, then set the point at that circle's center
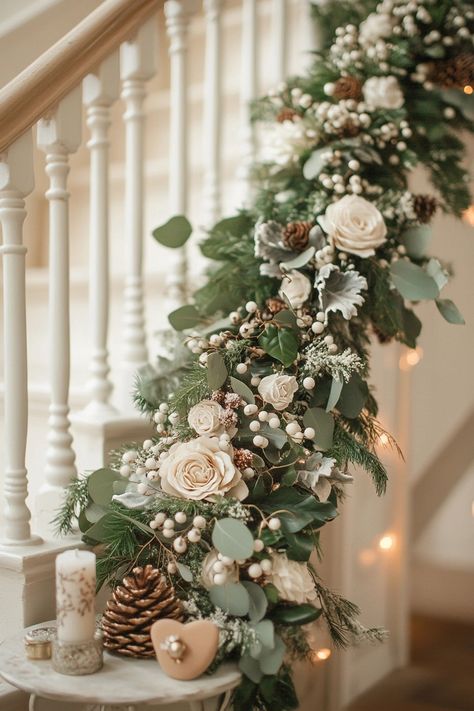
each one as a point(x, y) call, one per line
point(472, 508)
point(367, 557)
point(387, 542)
point(468, 89)
point(468, 215)
point(322, 654)
point(410, 358)
point(384, 439)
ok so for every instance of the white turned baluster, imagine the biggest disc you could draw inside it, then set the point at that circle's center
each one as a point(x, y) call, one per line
point(137, 65)
point(280, 34)
point(16, 182)
point(177, 13)
point(248, 93)
point(212, 112)
point(58, 136)
point(100, 90)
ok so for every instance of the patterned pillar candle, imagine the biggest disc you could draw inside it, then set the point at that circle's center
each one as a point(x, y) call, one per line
point(75, 596)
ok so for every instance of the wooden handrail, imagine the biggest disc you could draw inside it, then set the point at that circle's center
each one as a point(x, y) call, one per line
point(37, 89)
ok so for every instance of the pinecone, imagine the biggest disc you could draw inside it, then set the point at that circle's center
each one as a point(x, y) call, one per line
point(143, 598)
point(425, 207)
point(296, 235)
point(455, 72)
point(348, 88)
point(275, 305)
point(286, 114)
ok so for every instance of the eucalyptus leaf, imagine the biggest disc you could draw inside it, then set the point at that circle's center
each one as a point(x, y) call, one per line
point(216, 370)
point(174, 233)
point(265, 630)
point(353, 396)
point(185, 572)
point(243, 390)
point(251, 670)
point(436, 271)
point(280, 343)
point(258, 601)
point(450, 311)
point(101, 485)
point(100, 531)
point(271, 661)
point(323, 424)
point(231, 597)
point(232, 538)
point(276, 436)
point(300, 260)
point(185, 317)
point(416, 240)
point(296, 614)
point(413, 282)
point(334, 393)
point(314, 164)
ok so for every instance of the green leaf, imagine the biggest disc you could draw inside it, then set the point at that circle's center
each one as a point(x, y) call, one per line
point(243, 390)
point(276, 436)
point(231, 597)
point(216, 370)
point(101, 485)
point(413, 282)
point(232, 538)
point(436, 51)
point(300, 546)
point(314, 164)
point(120, 486)
point(271, 661)
point(416, 240)
point(300, 260)
point(449, 311)
point(174, 233)
point(336, 388)
point(411, 327)
point(100, 531)
point(353, 397)
point(323, 424)
point(280, 343)
point(436, 271)
point(294, 502)
point(185, 317)
point(185, 572)
point(84, 524)
point(251, 670)
point(285, 318)
point(94, 513)
point(271, 593)
point(265, 631)
point(237, 226)
point(258, 601)
point(295, 614)
point(368, 155)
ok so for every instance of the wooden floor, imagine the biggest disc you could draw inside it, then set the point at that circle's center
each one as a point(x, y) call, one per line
point(440, 676)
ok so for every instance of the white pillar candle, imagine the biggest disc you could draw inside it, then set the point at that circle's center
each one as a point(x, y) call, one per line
point(75, 596)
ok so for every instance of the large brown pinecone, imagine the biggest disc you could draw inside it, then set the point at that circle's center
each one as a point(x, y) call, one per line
point(143, 598)
point(455, 72)
point(425, 207)
point(286, 114)
point(348, 88)
point(296, 235)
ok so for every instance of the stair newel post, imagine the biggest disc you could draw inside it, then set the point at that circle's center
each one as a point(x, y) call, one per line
point(280, 35)
point(137, 65)
point(58, 135)
point(212, 111)
point(177, 14)
point(99, 91)
point(16, 182)
point(248, 93)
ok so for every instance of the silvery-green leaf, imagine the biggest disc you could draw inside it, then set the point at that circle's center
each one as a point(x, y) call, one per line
point(413, 282)
point(436, 271)
point(314, 164)
point(450, 311)
point(173, 233)
point(185, 317)
point(251, 670)
point(336, 387)
point(315, 468)
point(416, 239)
point(185, 572)
point(269, 244)
point(216, 370)
point(258, 601)
point(243, 390)
point(368, 155)
point(300, 260)
point(132, 500)
point(271, 661)
point(231, 597)
point(265, 632)
point(339, 291)
point(232, 538)
point(323, 424)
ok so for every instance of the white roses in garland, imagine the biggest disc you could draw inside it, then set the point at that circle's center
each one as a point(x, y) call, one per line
point(383, 93)
point(354, 225)
point(205, 418)
point(278, 390)
point(292, 579)
point(296, 288)
point(200, 469)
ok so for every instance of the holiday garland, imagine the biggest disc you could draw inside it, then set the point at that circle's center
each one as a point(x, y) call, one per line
point(263, 414)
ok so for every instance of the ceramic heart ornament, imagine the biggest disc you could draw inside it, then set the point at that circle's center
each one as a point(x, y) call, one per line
point(184, 651)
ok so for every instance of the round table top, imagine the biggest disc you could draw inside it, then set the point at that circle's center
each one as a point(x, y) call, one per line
point(121, 681)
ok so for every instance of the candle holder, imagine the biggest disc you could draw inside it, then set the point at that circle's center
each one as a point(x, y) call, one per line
point(78, 658)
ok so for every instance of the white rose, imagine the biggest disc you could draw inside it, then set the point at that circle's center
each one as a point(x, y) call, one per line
point(296, 287)
point(205, 418)
point(378, 25)
point(199, 469)
point(284, 143)
point(383, 93)
point(278, 390)
point(354, 225)
point(207, 571)
point(292, 579)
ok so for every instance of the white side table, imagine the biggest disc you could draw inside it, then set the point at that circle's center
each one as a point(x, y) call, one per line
point(123, 683)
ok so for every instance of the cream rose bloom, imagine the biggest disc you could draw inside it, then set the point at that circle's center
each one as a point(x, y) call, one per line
point(199, 469)
point(354, 225)
point(378, 25)
point(383, 93)
point(205, 418)
point(207, 571)
point(278, 390)
point(292, 579)
point(296, 287)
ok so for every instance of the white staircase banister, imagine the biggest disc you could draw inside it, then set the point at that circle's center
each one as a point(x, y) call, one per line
point(39, 88)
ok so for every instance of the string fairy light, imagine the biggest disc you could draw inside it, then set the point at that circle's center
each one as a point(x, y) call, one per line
point(410, 358)
point(468, 215)
point(468, 89)
point(387, 542)
point(320, 655)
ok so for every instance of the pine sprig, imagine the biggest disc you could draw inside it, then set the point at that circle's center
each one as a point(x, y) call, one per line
point(347, 447)
point(76, 500)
